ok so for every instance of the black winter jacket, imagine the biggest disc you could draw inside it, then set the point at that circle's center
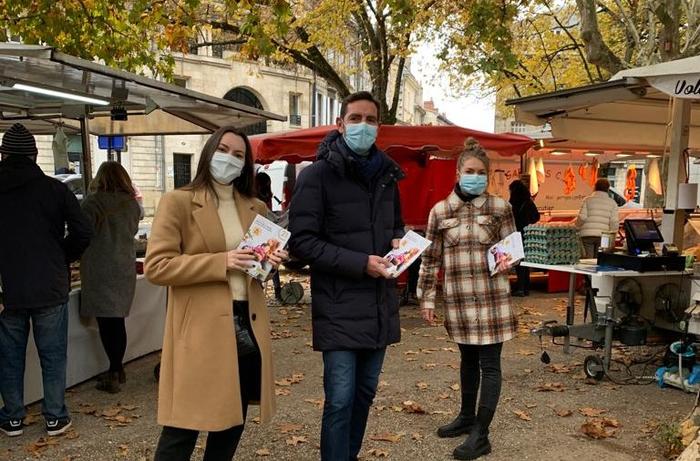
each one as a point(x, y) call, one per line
point(525, 213)
point(34, 248)
point(337, 220)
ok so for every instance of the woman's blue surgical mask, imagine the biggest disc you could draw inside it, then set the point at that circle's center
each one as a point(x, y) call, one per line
point(473, 184)
point(360, 137)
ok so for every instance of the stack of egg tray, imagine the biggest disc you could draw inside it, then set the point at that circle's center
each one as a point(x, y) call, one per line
point(552, 243)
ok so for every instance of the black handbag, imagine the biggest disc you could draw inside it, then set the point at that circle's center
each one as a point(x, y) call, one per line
point(245, 340)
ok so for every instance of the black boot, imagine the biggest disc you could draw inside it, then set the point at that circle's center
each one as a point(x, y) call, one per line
point(477, 444)
point(464, 421)
point(461, 425)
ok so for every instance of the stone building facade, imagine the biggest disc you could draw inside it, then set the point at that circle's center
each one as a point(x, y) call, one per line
point(160, 163)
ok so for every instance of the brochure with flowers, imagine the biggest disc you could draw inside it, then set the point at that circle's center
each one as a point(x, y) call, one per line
point(505, 253)
point(264, 237)
point(410, 248)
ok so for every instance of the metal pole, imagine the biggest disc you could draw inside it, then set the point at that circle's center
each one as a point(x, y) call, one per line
point(570, 309)
point(86, 167)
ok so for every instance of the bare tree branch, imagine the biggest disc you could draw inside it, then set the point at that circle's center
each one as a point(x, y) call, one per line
point(574, 41)
point(597, 50)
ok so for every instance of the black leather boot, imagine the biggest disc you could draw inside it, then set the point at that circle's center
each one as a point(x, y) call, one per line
point(461, 425)
point(477, 444)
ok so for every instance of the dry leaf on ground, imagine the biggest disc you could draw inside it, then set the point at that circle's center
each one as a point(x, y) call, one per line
point(387, 437)
point(551, 387)
point(262, 452)
point(591, 412)
point(600, 428)
point(377, 453)
point(296, 440)
point(558, 368)
point(290, 427)
point(522, 415)
point(412, 407)
point(422, 386)
point(318, 402)
point(563, 412)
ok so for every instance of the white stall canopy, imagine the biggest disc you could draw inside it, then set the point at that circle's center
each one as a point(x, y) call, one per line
point(641, 109)
point(631, 111)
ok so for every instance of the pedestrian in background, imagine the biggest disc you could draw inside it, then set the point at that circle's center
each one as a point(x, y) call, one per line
point(42, 232)
point(108, 266)
point(599, 213)
point(525, 213)
point(478, 308)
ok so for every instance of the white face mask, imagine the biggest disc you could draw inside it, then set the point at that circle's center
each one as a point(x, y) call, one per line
point(225, 167)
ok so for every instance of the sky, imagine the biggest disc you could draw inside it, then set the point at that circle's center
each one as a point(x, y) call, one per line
point(468, 111)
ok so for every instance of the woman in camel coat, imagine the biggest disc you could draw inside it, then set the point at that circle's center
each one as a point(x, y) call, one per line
point(205, 381)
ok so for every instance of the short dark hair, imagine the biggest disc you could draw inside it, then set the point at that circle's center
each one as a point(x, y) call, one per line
point(602, 185)
point(359, 96)
point(203, 179)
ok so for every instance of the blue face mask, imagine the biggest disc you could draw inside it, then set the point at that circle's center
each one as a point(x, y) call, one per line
point(360, 137)
point(473, 184)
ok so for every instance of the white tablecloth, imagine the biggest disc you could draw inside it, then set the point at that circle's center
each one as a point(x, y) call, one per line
point(86, 357)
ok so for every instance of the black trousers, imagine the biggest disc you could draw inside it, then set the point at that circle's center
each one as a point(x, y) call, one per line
point(177, 444)
point(523, 278)
point(480, 368)
point(113, 337)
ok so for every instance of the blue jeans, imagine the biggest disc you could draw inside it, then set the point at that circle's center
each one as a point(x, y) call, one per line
point(350, 381)
point(50, 327)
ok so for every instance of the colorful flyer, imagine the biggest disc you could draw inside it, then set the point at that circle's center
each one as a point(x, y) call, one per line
point(412, 245)
point(264, 237)
point(506, 253)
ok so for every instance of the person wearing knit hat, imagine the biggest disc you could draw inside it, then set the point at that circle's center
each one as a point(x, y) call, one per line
point(35, 251)
point(18, 141)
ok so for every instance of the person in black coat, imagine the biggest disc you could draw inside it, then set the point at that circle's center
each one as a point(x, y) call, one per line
point(525, 213)
point(345, 216)
point(35, 251)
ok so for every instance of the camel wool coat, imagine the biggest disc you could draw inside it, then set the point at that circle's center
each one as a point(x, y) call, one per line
point(199, 385)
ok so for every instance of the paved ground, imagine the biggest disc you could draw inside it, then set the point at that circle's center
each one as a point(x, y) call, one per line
point(540, 416)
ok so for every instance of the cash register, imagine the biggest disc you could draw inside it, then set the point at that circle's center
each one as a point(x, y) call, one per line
point(641, 255)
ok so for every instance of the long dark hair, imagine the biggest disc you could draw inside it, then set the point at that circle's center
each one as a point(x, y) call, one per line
point(245, 183)
point(112, 177)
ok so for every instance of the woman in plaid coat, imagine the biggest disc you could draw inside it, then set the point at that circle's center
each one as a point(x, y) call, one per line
point(478, 309)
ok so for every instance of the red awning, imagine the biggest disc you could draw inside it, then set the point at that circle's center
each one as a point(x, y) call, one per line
point(301, 145)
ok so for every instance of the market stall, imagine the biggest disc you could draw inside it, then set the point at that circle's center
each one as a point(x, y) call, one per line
point(49, 91)
point(86, 357)
point(427, 154)
point(639, 284)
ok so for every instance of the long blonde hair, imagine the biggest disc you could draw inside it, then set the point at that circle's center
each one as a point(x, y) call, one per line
point(112, 177)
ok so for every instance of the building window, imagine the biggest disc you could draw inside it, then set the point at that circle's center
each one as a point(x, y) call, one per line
point(248, 98)
point(181, 81)
point(294, 109)
point(182, 166)
point(320, 112)
point(331, 108)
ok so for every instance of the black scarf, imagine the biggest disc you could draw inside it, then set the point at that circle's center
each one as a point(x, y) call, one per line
point(462, 195)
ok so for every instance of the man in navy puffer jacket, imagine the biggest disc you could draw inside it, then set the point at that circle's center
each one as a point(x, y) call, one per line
point(345, 216)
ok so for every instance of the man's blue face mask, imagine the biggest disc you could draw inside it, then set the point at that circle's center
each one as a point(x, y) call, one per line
point(360, 137)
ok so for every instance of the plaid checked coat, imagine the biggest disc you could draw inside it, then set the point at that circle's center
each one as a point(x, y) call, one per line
point(478, 307)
